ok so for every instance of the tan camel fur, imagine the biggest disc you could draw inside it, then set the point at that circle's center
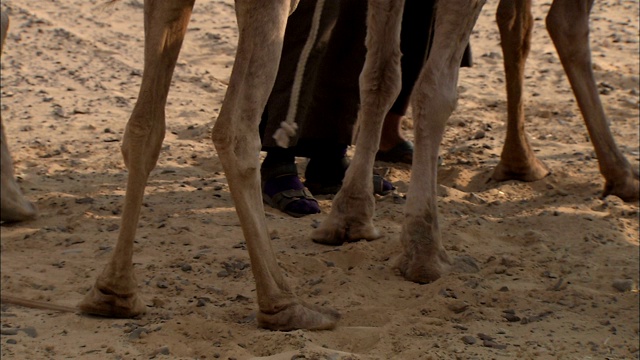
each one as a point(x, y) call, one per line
point(235, 135)
point(13, 205)
point(424, 258)
point(261, 29)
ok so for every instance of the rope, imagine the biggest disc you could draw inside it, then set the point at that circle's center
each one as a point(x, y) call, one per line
point(289, 127)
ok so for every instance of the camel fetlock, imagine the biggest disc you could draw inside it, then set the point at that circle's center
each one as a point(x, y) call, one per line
point(118, 299)
point(350, 220)
point(299, 315)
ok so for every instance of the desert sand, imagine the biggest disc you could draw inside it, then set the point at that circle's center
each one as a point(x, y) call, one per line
point(559, 266)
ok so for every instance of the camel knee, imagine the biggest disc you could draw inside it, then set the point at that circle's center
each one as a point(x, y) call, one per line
point(567, 26)
point(142, 142)
point(381, 83)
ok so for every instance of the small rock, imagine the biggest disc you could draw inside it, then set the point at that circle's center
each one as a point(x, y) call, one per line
point(458, 306)
point(186, 267)
point(469, 340)
point(30, 331)
point(9, 331)
point(12, 341)
point(511, 317)
point(500, 269)
point(509, 261)
point(138, 333)
point(493, 345)
point(161, 351)
point(447, 293)
point(624, 285)
point(480, 134)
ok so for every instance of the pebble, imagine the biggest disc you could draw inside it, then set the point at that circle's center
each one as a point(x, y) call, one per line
point(161, 351)
point(493, 345)
point(624, 285)
point(448, 293)
point(480, 134)
point(12, 341)
point(511, 317)
point(138, 333)
point(469, 340)
point(30, 331)
point(458, 306)
point(85, 200)
point(186, 267)
point(10, 331)
point(510, 261)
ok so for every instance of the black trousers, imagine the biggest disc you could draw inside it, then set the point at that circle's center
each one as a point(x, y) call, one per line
point(329, 100)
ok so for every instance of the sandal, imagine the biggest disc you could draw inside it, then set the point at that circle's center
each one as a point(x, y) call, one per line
point(282, 190)
point(401, 153)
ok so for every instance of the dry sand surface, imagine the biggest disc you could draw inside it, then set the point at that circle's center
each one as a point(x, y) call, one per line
point(559, 265)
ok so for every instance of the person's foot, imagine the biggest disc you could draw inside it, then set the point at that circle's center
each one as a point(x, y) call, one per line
point(393, 146)
point(283, 190)
point(402, 152)
point(324, 177)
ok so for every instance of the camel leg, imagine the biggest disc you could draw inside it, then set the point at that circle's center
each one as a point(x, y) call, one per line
point(236, 138)
point(434, 98)
point(568, 25)
point(517, 161)
point(13, 205)
point(354, 206)
point(115, 291)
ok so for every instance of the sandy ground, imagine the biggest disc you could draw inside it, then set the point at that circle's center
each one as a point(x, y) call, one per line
point(559, 265)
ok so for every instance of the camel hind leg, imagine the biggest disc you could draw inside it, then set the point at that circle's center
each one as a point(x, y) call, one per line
point(517, 161)
point(236, 138)
point(13, 205)
point(568, 26)
point(115, 292)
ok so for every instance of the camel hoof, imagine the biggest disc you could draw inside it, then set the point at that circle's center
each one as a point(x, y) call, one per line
point(627, 189)
point(424, 272)
point(300, 316)
point(18, 211)
point(533, 170)
point(104, 303)
point(337, 232)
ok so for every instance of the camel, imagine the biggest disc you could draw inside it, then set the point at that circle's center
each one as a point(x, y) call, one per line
point(235, 137)
point(13, 205)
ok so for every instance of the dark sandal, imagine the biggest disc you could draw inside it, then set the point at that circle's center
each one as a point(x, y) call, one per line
point(401, 153)
point(282, 199)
